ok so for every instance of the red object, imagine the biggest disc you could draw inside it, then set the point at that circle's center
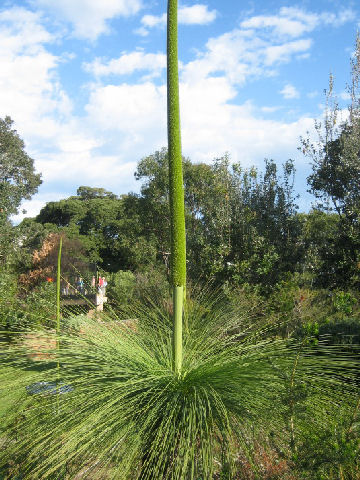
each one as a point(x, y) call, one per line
point(49, 279)
point(101, 282)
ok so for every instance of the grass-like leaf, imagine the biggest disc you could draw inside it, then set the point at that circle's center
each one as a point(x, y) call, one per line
point(117, 411)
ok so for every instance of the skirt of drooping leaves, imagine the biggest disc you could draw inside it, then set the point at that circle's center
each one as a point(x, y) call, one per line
point(102, 401)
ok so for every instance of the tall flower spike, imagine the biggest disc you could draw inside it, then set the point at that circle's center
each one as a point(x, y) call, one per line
point(177, 215)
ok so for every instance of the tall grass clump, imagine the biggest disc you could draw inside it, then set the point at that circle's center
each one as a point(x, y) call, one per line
point(119, 411)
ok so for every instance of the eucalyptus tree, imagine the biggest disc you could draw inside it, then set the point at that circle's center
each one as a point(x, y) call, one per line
point(18, 179)
point(18, 182)
point(335, 177)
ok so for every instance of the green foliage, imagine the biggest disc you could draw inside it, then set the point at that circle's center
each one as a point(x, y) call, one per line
point(110, 228)
point(29, 236)
point(10, 311)
point(41, 306)
point(344, 302)
point(336, 176)
point(19, 312)
point(128, 416)
point(121, 287)
point(126, 287)
point(18, 180)
point(88, 193)
point(332, 451)
point(241, 225)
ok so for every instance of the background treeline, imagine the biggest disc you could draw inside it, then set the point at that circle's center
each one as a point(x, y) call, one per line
point(243, 228)
point(244, 232)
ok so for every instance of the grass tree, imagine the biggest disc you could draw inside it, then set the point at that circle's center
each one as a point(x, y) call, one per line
point(140, 409)
point(177, 215)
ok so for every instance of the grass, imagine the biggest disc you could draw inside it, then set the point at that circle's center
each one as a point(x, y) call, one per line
point(129, 416)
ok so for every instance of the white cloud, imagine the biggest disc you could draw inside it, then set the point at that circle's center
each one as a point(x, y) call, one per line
point(128, 63)
point(90, 17)
point(289, 92)
point(151, 21)
point(290, 22)
point(65, 147)
point(283, 52)
point(124, 122)
point(210, 123)
point(270, 109)
point(294, 22)
point(338, 19)
point(258, 46)
point(241, 55)
point(137, 113)
point(109, 172)
point(344, 95)
point(88, 168)
point(312, 94)
point(142, 31)
point(30, 91)
point(197, 14)
point(21, 31)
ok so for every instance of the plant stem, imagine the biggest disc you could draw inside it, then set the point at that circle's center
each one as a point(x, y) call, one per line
point(177, 214)
point(58, 289)
point(177, 340)
point(58, 278)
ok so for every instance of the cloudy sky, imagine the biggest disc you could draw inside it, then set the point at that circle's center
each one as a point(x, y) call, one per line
point(84, 81)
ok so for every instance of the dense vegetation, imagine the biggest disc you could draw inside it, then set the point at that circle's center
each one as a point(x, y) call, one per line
point(243, 229)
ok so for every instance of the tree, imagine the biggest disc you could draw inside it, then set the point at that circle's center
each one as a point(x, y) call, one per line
point(321, 252)
point(113, 230)
point(335, 179)
point(87, 193)
point(241, 224)
point(18, 180)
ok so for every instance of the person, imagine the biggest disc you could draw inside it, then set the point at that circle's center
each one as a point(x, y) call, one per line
point(104, 285)
point(80, 285)
point(100, 284)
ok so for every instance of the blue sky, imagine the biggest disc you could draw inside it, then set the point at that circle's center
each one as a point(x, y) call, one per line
point(85, 80)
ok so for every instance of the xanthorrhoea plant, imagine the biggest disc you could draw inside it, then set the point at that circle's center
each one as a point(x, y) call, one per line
point(177, 216)
point(137, 408)
point(127, 414)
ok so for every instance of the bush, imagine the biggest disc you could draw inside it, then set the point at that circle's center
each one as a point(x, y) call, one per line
point(121, 288)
